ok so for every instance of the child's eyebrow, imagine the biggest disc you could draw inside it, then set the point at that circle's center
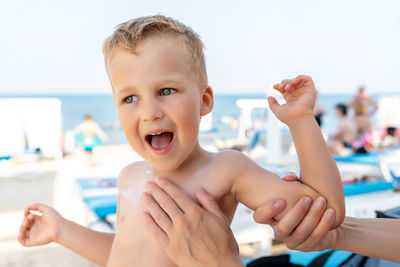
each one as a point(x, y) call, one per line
point(125, 90)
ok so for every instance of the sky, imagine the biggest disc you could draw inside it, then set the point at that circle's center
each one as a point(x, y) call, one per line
point(54, 47)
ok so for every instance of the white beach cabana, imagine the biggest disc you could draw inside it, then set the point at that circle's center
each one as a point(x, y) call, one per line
point(28, 124)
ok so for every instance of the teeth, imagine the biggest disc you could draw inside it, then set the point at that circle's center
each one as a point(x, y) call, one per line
point(157, 133)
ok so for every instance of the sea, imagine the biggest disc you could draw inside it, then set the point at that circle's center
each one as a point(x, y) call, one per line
point(104, 112)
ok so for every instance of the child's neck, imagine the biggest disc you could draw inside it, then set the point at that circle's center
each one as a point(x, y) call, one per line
point(194, 161)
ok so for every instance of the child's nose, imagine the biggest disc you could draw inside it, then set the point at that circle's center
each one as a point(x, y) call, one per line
point(152, 111)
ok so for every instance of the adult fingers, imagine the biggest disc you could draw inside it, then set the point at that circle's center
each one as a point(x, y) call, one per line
point(156, 232)
point(158, 214)
point(265, 213)
point(309, 223)
point(184, 202)
point(164, 200)
point(292, 218)
point(314, 241)
point(208, 203)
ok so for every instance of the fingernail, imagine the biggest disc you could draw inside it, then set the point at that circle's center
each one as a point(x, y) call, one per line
point(146, 185)
point(144, 214)
point(306, 201)
point(144, 196)
point(330, 213)
point(278, 203)
point(320, 202)
point(291, 174)
point(200, 190)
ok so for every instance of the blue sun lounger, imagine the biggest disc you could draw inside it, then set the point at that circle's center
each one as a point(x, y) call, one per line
point(100, 194)
point(5, 157)
point(370, 158)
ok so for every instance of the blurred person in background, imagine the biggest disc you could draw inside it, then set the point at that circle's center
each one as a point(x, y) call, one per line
point(345, 134)
point(364, 107)
point(88, 135)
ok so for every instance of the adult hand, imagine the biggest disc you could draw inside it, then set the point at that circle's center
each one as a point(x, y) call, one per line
point(190, 235)
point(306, 226)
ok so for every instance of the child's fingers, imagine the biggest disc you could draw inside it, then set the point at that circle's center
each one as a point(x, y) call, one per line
point(22, 227)
point(20, 238)
point(281, 86)
point(154, 229)
point(27, 241)
point(273, 104)
point(280, 91)
point(39, 207)
point(23, 232)
point(36, 207)
point(277, 87)
point(303, 80)
point(30, 217)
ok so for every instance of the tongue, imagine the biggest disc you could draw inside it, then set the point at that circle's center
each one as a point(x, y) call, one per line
point(161, 141)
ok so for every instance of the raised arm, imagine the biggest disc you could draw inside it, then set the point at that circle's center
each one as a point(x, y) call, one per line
point(317, 166)
point(318, 171)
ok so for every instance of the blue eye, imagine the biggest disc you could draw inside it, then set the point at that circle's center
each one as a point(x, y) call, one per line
point(130, 99)
point(167, 91)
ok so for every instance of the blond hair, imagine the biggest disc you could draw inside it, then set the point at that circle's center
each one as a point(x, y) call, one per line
point(129, 34)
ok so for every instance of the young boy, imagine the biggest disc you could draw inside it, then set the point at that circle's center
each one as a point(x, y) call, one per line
point(157, 71)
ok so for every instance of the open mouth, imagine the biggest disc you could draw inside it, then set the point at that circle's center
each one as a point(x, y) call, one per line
point(160, 140)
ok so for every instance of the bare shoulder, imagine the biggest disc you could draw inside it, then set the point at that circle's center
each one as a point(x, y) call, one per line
point(235, 161)
point(230, 154)
point(130, 171)
point(241, 164)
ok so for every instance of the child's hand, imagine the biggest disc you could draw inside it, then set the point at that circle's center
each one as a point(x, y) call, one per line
point(42, 229)
point(300, 96)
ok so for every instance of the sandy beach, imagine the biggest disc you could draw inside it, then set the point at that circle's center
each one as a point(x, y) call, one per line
point(52, 183)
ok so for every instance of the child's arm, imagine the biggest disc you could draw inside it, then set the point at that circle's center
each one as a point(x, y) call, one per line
point(318, 170)
point(50, 226)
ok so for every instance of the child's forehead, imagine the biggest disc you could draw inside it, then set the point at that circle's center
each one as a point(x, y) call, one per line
point(153, 52)
point(157, 45)
point(153, 59)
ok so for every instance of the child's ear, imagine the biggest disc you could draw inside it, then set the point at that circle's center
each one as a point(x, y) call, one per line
point(207, 101)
